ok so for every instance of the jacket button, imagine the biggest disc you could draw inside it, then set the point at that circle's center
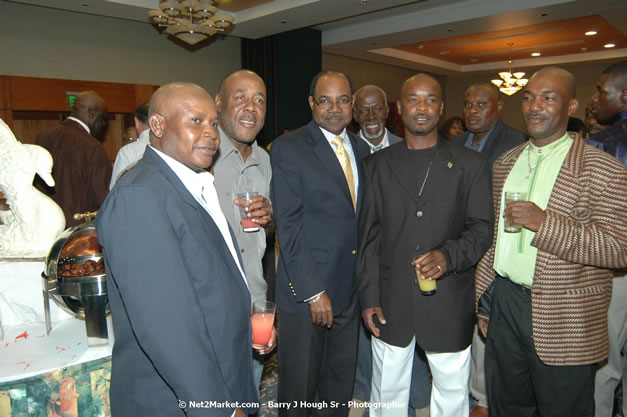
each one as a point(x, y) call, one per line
point(419, 213)
point(354, 251)
point(417, 248)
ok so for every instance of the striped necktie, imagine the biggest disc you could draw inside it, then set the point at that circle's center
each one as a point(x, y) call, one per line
point(345, 163)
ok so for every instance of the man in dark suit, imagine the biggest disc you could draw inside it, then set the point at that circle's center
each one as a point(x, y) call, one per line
point(426, 209)
point(371, 111)
point(82, 169)
point(178, 296)
point(487, 134)
point(315, 190)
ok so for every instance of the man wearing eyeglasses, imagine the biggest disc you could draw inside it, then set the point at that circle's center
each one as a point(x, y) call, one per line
point(316, 193)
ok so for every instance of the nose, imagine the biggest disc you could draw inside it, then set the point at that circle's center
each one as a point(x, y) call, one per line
point(595, 97)
point(250, 105)
point(535, 105)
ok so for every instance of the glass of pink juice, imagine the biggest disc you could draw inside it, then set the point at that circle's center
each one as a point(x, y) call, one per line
point(262, 321)
point(248, 225)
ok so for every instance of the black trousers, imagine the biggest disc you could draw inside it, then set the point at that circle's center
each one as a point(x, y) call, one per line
point(317, 364)
point(518, 383)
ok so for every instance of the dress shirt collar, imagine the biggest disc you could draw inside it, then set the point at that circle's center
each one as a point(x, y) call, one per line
point(80, 122)
point(330, 136)
point(479, 146)
point(227, 147)
point(193, 181)
point(385, 142)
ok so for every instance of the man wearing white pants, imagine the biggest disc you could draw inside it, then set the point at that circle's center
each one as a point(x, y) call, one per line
point(426, 211)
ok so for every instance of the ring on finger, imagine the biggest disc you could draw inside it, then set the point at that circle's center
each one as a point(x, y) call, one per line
point(439, 268)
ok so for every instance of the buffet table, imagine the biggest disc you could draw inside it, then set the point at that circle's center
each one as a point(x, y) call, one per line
point(46, 375)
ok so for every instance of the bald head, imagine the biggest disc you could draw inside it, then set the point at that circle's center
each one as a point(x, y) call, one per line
point(549, 100)
point(422, 78)
point(482, 109)
point(91, 109)
point(183, 124)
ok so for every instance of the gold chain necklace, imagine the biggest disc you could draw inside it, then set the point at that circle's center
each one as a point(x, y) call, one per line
point(531, 168)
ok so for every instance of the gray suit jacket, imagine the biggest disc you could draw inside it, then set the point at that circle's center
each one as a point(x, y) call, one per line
point(502, 138)
point(179, 303)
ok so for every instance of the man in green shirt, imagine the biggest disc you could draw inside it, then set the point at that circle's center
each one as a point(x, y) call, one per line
point(550, 283)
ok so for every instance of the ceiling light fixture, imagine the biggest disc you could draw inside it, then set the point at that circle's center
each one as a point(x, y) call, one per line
point(590, 33)
point(510, 82)
point(536, 54)
point(191, 21)
point(609, 45)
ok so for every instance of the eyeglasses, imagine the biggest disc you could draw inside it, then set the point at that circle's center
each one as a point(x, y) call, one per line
point(376, 109)
point(325, 104)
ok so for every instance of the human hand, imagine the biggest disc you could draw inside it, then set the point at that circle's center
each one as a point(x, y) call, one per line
point(322, 311)
point(431, 265)
point(483, 326)
point(259, 210)
point(268, 347)
point(367, 314)
point(525, 213)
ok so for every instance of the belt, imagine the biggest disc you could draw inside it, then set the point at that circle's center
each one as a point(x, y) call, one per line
point(525, 289)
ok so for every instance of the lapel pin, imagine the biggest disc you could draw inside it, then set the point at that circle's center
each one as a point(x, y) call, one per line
point(450, 165)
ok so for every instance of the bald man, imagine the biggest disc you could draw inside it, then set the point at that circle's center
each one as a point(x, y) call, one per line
point(242, 166)
point(426, 211)
point(82, 169)
point(178, 295)
point(550, 283)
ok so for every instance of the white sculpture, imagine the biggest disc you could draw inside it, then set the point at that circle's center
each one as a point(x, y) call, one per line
point(32, 225)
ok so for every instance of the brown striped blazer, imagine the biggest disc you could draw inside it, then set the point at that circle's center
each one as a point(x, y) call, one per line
point(583, 236)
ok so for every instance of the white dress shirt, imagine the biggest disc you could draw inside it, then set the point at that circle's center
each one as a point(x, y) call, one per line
point(349, 151)
point(200, 185)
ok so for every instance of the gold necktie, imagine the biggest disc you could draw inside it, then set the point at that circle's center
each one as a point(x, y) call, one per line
point(345, 163)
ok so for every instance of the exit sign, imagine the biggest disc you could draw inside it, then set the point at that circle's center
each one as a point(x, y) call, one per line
point(70, 97)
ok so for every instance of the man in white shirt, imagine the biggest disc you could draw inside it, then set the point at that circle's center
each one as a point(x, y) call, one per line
point(178, 296)
point(371, 111)
point(129, 154)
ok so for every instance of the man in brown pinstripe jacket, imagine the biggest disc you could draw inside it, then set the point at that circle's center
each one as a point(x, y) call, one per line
point(545, 290)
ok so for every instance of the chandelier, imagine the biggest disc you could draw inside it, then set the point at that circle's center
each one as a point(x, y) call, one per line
point(510, 82)
point(191, 21)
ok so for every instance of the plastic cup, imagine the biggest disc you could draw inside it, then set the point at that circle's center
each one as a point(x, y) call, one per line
point(248, 225)
point(262, 321)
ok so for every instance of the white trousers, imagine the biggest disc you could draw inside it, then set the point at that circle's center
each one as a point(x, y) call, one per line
point(391, 378)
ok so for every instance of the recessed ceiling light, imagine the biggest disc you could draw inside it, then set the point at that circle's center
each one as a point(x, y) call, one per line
point(536, 54)
point(590, 33)
point(584, 49)
point(609, 45)
point(444, 53)
point(420, 46)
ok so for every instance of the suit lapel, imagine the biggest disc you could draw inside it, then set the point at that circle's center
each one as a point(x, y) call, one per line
point(325, 154)
point(213, 233)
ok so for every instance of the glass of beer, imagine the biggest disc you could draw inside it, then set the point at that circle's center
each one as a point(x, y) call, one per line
point(509, 197)
point(427, 286)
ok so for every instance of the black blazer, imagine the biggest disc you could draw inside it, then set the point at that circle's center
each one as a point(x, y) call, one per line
point(315, 219)
point(502, 138)
point(456, 217)
point(179, 303)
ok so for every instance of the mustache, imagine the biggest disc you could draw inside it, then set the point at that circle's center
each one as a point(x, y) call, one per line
point(333, 117)
point(534, 115)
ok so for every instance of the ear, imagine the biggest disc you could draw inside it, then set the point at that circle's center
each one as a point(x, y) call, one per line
point(398, 106)
point(311, 102)
point(573, 105)
point(499, 107)
point(157, 125)
point(624, 97)
point(442, 108)
point(218, 101)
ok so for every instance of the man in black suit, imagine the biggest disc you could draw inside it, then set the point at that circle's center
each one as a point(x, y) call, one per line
point(487, 134)
point(315, 191)
point(426, 209)
point(179, 300)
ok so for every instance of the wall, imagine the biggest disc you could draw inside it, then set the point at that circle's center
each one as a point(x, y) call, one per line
point(362, 72)
point(586, 74)
point(43, 42)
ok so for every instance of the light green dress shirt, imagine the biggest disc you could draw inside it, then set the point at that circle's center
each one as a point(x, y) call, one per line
point(533, 173)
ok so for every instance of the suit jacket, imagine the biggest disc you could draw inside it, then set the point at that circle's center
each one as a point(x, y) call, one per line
point(81, 172)
point(584, 234)
point(502, 138)
point(316, 222)
point(179, 303)
point(454, 216)
point(392, 138)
